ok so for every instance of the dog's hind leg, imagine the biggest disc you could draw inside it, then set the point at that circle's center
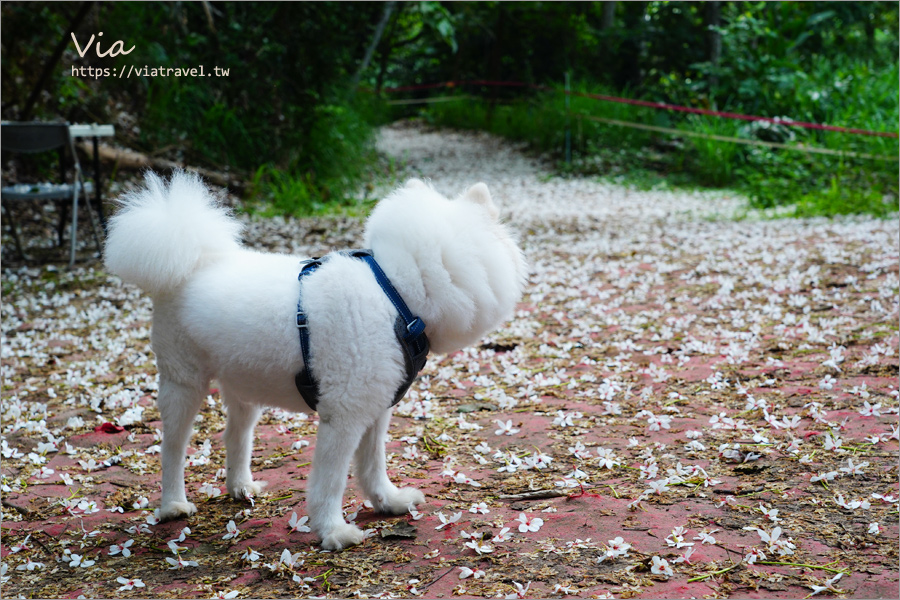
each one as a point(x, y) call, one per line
point(239, 448)
point(335, 442)
point(178, 405)
point(372, 472)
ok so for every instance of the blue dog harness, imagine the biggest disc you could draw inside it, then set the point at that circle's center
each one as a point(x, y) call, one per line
point(409, 329)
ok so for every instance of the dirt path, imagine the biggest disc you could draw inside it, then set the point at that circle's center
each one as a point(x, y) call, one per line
point(684, 406)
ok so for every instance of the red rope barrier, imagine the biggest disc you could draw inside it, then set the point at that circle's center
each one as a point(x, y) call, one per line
point(647, 103)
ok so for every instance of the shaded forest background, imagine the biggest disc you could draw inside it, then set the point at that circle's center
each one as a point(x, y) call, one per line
point(309, 81)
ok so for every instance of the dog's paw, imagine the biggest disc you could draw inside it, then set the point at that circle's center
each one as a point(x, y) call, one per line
point(177, 510)
point(342, 536)
point(246, 489)
point(399, 501)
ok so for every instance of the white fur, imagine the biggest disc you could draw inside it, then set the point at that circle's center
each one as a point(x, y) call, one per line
point(187, 227)
point(456, 263)
point(225, 312)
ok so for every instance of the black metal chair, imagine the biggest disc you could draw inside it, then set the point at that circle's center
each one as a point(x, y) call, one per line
point(32, 138)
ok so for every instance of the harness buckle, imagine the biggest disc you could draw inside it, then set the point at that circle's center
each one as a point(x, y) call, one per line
point(301, 320)
point(414, 324)
point(308, 266)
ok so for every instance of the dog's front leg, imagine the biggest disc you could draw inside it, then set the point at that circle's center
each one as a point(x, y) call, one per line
point(242, 419)
point(178, 405)
point(372, 472)
point(335, 443)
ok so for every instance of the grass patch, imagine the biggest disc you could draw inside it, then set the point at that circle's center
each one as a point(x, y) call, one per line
point(799, 183)
point(338, 162)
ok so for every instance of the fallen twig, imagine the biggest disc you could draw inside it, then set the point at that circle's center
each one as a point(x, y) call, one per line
point(714, 573)
point(21, 509)
point(535, 495)
point(428, 585)
point(824, 567)
point(129, 159)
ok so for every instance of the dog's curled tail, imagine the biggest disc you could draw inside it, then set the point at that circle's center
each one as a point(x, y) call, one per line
point(164, 230)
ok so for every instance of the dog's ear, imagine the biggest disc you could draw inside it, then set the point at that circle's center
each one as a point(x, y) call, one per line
point(416, 184)
point(480, 194)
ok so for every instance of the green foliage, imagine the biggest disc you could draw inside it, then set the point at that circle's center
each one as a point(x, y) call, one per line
point(285, 102)
point(839, 199)
point(715, 161)
point(820, 62)
point(284, 194)
point(285, 113)
point(267, 108)
point(319, 181)
point(776, 52)
point(533, 121)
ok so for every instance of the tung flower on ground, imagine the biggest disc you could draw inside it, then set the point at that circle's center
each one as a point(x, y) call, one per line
point(465, 572)
point(290, 560)
point(445, 522)
point(121, 548)
point(129, 584)
point(706, 537)
point(30, 565)
point(528, 523)
point(615, 547)
point(774, 541)
point(231, 531)
point(180, 563)
point(521, 590)
point(505, 428)
point(660, 566)
point(770, 513)
point(676, 538)
point(658, 486)
point(829, 476)
point(479, 508)
point(606, 458)
point(851, 469)
point(503, 536)
point(686, 557)
point(480, 547)
point(828, 587)
point(298, 524)
point(251, 555)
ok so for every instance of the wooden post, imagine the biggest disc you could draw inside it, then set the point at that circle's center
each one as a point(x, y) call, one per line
point(568, 128)
point(714, 43)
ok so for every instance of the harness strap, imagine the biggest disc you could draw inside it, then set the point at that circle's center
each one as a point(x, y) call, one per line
point(414, 325)
point(409, 329)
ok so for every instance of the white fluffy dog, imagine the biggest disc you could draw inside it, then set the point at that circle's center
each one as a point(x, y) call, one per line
point(225, 312)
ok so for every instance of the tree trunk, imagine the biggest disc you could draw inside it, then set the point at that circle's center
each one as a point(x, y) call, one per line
point(379, 30)
point(632, 47)
point(494, 59)
point(609, 16)
point(384, 56)
point(713, 43)
point(51, 63)
point(869, 26)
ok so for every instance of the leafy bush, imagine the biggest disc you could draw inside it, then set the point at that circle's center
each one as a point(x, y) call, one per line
point(285, 104)
point(327, 177)
point(287, 113)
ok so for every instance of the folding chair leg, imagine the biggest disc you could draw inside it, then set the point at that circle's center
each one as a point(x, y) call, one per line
point(87, 207)
point(15, 232)
point(74, 234)
point(63, 208)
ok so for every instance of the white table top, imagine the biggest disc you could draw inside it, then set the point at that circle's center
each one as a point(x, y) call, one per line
point(91, 130)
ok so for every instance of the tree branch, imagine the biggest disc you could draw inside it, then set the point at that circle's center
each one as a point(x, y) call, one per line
point(379, 30)
point(51, 63)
